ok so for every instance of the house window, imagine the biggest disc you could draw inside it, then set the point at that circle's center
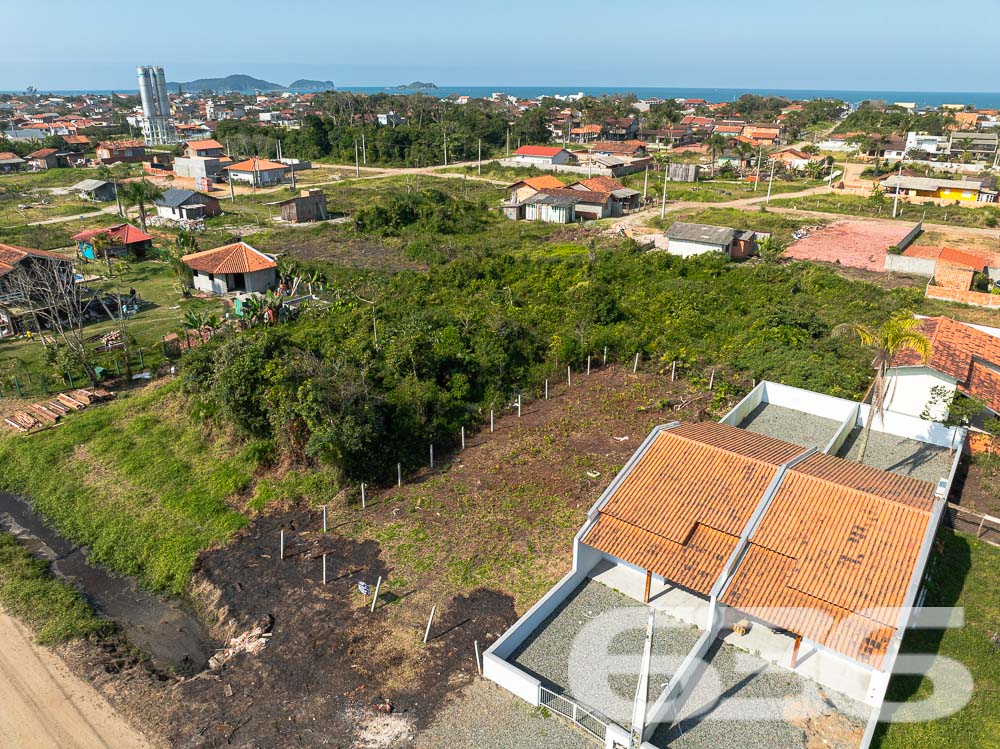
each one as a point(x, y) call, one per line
point(211, 276)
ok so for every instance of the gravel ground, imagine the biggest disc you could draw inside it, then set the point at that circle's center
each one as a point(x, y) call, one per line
point(900, 455)
point(758, 709)
point(486, 716)
point(790, 425)
point(547, 653)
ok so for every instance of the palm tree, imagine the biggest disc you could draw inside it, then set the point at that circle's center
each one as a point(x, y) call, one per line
point(101, 245)
point(715, 144)
point(140, 194)
point(887, 341)
point(965, 144)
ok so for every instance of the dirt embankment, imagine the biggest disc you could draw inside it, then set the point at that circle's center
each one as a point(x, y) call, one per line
point(481, 538)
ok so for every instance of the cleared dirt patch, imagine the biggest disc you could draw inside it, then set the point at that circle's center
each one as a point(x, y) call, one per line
point(856, 244)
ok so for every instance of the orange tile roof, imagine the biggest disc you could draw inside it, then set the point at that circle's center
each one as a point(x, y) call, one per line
point(964, 353)
point(953, 276)
point(256, 164)
point(204, 145)
point(124, 234)
point(537, 151)
point(951, 256)
point(10, 256)
point(681, 509)
point(540, 183)
point(238, 257)
point(838, 543)
point(927, 253)
point(601, 184)
point(831, 560)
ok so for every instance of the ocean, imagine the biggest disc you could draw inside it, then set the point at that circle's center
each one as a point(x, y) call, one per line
point(978, 99)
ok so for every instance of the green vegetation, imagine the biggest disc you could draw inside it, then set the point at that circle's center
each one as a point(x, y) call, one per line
point(137, 482)
point(51, 607)
point(976, 215)
point(962, 573)
point(874, 118)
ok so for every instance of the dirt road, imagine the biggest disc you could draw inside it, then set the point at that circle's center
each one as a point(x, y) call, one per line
point(44, 705)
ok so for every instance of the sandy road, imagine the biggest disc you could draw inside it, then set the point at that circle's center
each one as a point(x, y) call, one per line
point(43, 705)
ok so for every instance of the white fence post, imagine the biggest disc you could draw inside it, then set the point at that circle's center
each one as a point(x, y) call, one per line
point(429, 622)
point(378, 585)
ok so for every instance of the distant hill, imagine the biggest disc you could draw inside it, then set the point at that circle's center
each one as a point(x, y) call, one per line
point(306, 86)
point(416, 86)
point(245, 84)
point(240, 84)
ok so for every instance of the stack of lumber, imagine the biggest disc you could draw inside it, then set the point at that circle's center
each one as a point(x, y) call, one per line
point(49, 412)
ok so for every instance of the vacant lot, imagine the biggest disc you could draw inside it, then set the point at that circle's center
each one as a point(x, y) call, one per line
point(981, 215)
point(855, 244)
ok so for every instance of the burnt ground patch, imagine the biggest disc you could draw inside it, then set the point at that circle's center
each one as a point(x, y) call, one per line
point(329, 662)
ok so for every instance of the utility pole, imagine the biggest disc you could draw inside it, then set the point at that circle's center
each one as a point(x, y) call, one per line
point(364, 148)
point(480, 167)
point(760, 154)
point(446, 148)
point(663, 204)
point(508, 141)
point(769, 181)
point(895, 200)
point(645, 184)
point(232, 192)
point(357, 161)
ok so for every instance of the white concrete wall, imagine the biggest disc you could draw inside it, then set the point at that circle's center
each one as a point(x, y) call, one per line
point(261, 280)
point(745, 406)
point(685, 248)
point(818, 404)
point(909, 391)
point(216, 285)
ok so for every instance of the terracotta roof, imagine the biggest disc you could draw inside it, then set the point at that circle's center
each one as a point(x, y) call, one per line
point(951, 256)
point(928, 253)
point(43, 153)
point(231, 258)
point(961, 352)
point(10, 256)
point(120, 234)
point(537, 151)
point(681, 509)
point(539, 183)
point(9, 156)
point(204, 145)
point(618, 147)
point(256, 164)
point(831, 560)
point(953, 276)
point(601, 184)
point(113, 145)
point(838, 543)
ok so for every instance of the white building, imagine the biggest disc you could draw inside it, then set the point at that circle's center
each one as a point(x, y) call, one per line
point(541, 156)
point(231, 269)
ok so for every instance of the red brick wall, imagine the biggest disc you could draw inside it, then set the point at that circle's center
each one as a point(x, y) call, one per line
point(975, 298)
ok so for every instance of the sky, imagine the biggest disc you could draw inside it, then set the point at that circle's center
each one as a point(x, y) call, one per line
point(893, 45)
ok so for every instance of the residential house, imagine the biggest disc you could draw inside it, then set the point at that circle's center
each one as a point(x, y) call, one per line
point(671, 136)
point(585, 133)
point(550, 209)
point(790, 556)
point(124, 240)
point(634, 149)
point(94, 190)
point(307, 206)
point(793, 158)
point(182, 205)
point(621, 128)
point(258, 172)
point(623, 199)
point(520, 191)
point(204, 148)
point(687, 240)
point(768, 134)
point(542, 156)
point(590, 204)
point(965, 190)
point(20, 306)
point(44, 158)
point(964, 359)
point(232, 269)
point(11, 162)
point(121, 151)
point(923, 143)
point(973, 145)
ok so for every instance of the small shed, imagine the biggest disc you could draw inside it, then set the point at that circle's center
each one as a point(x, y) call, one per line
point(123, 240)
point(95, 190)
point(181, 205)
point(309, 205)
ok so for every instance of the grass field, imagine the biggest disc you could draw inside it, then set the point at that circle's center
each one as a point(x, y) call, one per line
point(52, 608)
point(137, 481)
point(963, 574)
point(62, 177)
point(857, 205)
point(713, 190)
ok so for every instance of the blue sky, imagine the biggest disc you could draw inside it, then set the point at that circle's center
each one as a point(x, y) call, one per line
point(864, 44)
